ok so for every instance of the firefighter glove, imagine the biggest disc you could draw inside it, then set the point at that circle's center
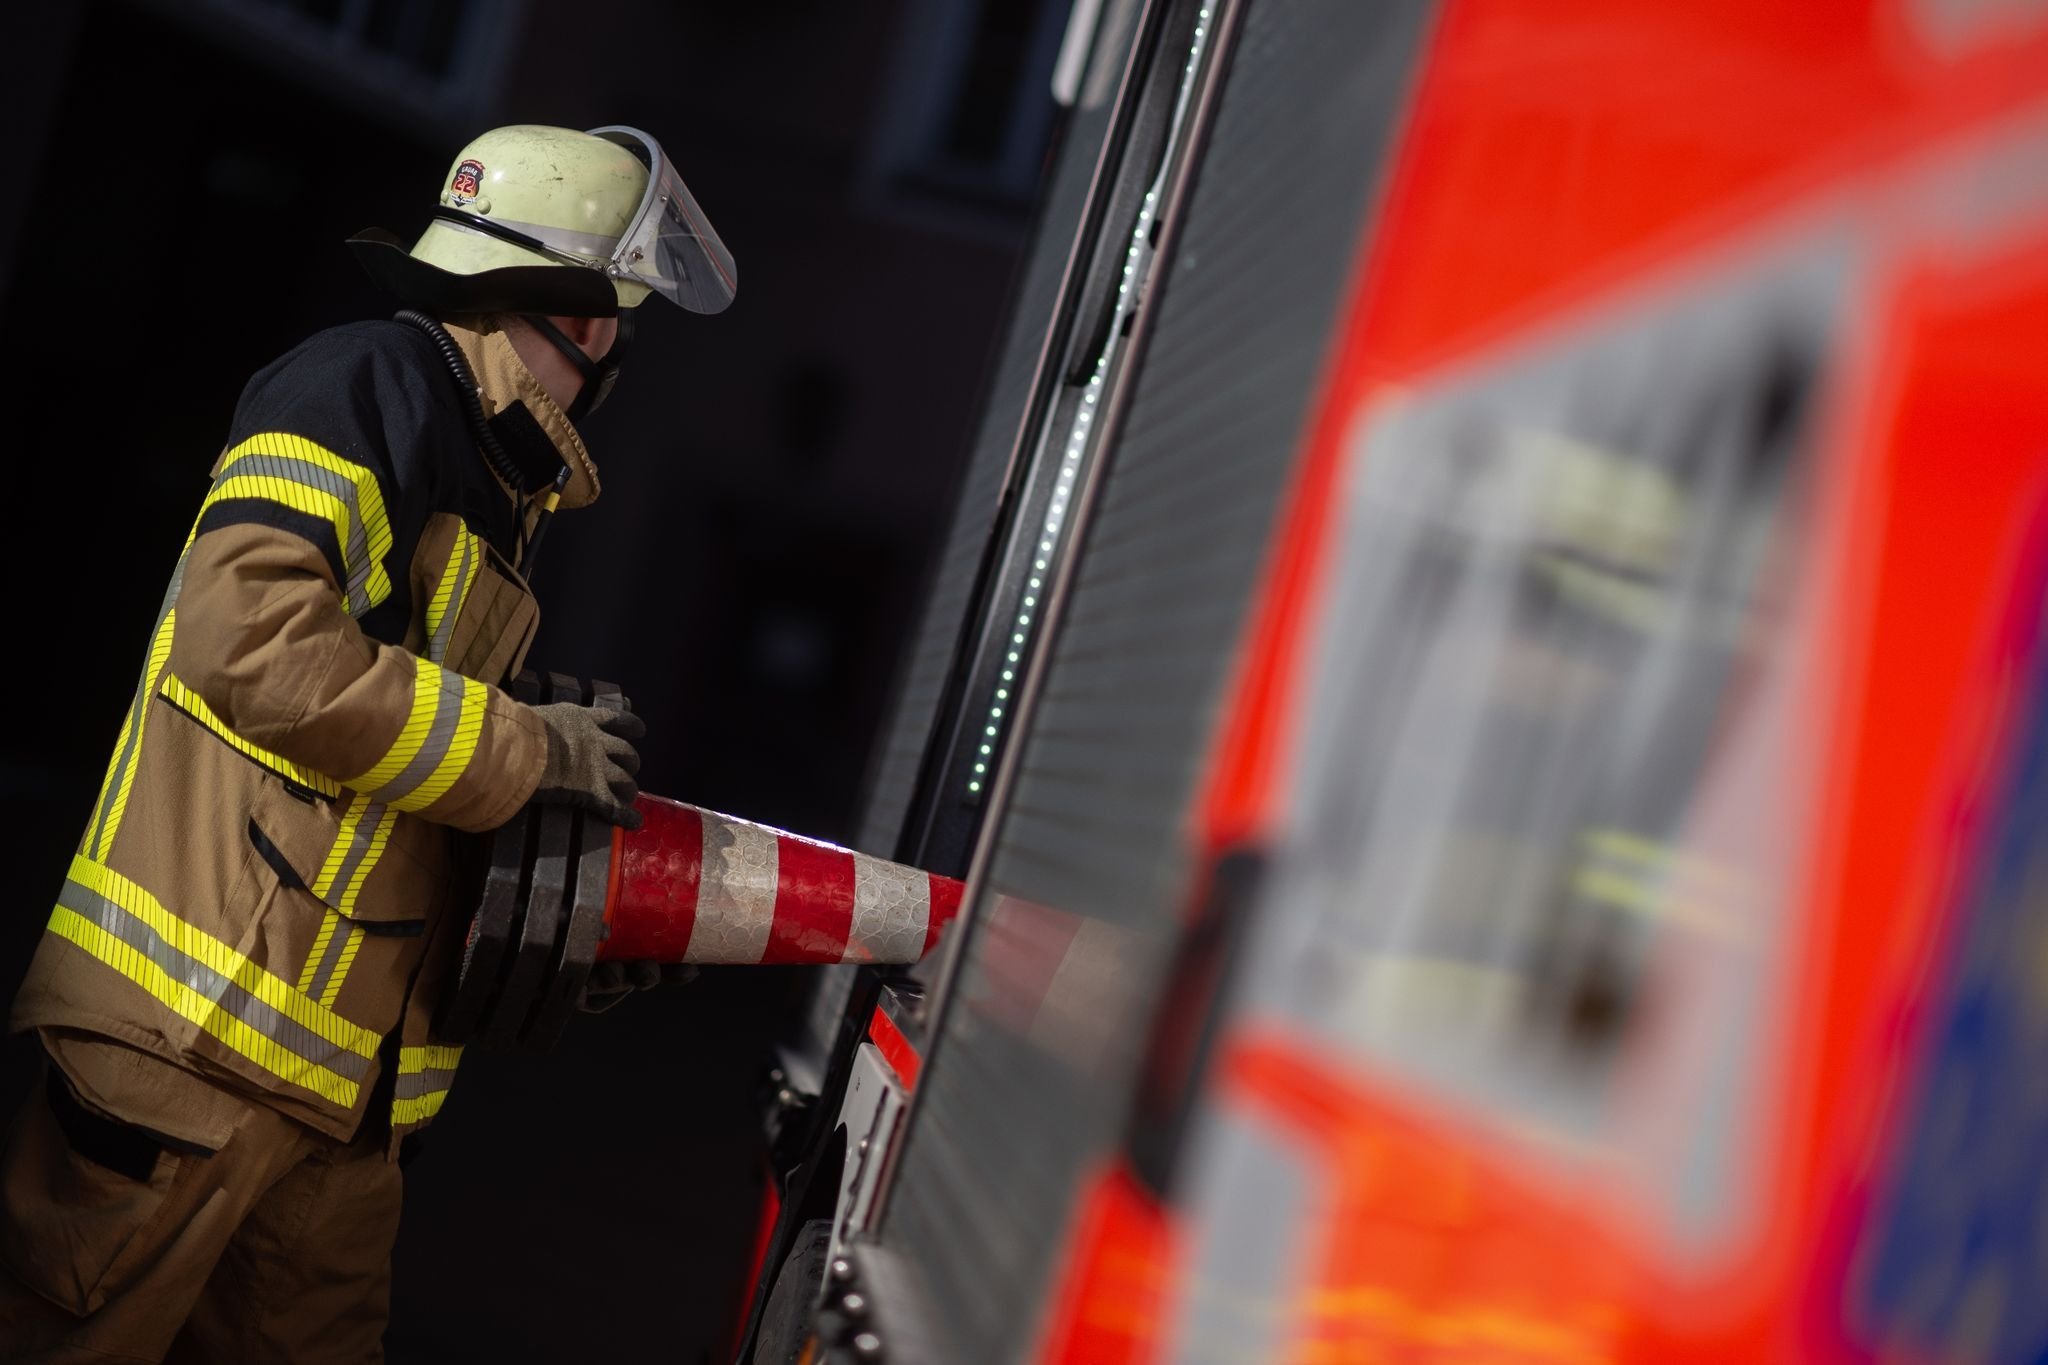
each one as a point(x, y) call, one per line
point(611, 982)
point(591, 760)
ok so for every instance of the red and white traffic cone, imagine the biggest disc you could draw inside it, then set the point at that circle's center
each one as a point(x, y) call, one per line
point(561, 891)
point(691, 885)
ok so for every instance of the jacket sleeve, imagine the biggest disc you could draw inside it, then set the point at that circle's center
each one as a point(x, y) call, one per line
point(294, 543)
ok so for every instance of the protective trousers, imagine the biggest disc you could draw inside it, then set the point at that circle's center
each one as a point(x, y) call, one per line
point(274, 1247)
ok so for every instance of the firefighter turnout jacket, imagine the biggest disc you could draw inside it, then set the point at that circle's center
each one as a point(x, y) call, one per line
point(264, 893)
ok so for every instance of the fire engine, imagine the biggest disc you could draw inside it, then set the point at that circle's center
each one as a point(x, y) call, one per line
point(1486, 688)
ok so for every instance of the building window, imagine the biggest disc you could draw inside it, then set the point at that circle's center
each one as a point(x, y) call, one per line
point(405, 60)
point(967, 111)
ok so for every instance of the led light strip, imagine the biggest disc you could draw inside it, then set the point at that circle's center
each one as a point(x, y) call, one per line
point(1137, 259)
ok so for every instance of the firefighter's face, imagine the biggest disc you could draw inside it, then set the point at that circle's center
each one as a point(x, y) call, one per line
point(556, 375)
point(594, 335)
point(607, 334)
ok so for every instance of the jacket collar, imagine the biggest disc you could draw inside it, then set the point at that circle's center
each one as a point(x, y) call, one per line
point(504, 380)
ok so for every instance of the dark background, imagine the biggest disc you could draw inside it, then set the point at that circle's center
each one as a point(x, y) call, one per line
point(776, 481)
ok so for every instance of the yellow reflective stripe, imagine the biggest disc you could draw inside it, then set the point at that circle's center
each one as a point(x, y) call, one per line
point(367, 824)
point(434, 1057)
point(203, 947)
point(465, 560)
point(365, 829)
point(294, 447)
point(204, 980)
point(333, 952)
point(434, 747)
point(425, 1075)
point(294, 472)
point(380, 835)
point(297, 496)
point(190, 702)
point(120, 781)
point(138, 968)
point(328, 962)
point(99, 835)
point(376, 583)
point(160, 644)
point(348, 957)
point(426, 687)
point(337, 856)
point(320, 942)
point(417, 1108)
point(469, 729)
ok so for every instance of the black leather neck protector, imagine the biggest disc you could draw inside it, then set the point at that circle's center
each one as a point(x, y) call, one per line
point(523, 438)
point(498, 437)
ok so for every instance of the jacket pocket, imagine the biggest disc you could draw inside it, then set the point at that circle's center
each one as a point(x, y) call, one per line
point(498, 622)
point(377, 866)
point(331, 984)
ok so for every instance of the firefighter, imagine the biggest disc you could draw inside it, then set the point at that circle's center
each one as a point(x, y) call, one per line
point(236, 989)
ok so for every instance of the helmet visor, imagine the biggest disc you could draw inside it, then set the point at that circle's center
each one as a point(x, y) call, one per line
point(670, 246)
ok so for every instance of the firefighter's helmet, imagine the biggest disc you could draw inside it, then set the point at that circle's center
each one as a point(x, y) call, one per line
point(533, 219)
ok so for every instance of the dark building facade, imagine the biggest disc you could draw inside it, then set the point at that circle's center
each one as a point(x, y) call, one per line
point(777, 479)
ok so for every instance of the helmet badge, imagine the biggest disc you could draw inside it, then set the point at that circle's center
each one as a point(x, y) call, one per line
point(467, 184)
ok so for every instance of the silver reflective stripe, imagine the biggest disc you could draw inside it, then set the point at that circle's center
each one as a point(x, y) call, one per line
point(143, 691)
point(413, 1085)
point(355, 555)
point(434, 748)
point(735, 892)
point(127, 756)
point(367, 823)
point(891, 906)
point(202, 980)
point(337, 946)
point(437, 648)
point(171, 593)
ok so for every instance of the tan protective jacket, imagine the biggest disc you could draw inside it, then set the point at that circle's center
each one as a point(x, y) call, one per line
point(265, 892)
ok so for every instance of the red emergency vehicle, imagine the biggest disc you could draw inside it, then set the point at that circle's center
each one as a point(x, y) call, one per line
point(1487, 684)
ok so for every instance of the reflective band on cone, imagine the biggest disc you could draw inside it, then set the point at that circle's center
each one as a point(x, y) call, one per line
point(691, 885)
